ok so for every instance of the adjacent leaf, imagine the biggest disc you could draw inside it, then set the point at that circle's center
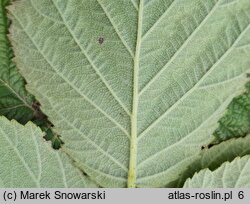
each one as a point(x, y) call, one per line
point(213, 157)
point(229, 175)
point(28, 161)
point(134, 88)
point(50, 135)
point(15, 102)
point(236, 122)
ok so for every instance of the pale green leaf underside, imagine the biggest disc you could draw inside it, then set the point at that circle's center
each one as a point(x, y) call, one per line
point(137, 85)
point(212, 158)
point(28, 161)
point(229, 175)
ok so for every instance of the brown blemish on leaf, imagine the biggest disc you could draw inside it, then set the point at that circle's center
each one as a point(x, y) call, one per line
point(101, 40)
point(36, 105)
point(37, 111)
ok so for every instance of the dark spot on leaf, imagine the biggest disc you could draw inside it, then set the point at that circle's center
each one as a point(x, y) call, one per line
point(101, 40)
point(85, 174)
point(203, 147)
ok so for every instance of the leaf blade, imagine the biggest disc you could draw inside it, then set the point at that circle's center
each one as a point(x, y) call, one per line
point(229, 175)
point(92, 122)
point(213, 157)
point(15, 102)
point(29, 161)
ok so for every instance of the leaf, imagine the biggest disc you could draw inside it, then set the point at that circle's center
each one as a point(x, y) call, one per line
point(50, 135)
point(28, 161)
point(236, 122)
point(15, 102)
point(229, 175)
point(139, 87)
point(213, 157)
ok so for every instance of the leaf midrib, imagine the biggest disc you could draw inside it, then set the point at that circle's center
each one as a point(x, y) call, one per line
point(133, 140)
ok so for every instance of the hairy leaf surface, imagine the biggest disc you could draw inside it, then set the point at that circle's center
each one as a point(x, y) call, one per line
point(28, 161)
point(229, 175)
point(134, 88)
point(213, 157)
